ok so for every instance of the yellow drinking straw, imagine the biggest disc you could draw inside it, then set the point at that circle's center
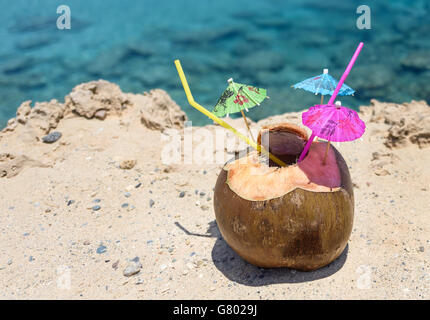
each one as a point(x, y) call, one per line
point(224, 124)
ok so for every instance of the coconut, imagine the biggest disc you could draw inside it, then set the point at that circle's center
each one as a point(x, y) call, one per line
point(299, 216)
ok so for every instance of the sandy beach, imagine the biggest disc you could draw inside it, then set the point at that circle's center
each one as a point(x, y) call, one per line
point(99, 214)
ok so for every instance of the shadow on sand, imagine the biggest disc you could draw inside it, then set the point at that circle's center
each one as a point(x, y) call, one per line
point(238, 270)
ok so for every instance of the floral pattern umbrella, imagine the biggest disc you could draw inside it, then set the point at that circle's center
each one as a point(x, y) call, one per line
point(238, 97)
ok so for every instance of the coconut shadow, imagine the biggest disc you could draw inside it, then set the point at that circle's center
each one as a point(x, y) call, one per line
point(238, 270)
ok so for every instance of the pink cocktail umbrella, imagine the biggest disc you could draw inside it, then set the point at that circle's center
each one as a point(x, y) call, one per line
point(319, 112)
point(333, 123)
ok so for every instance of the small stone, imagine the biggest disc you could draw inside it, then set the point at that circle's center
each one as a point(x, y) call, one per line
point(129, 188)
point(52, 137)
point(382, 172)
point(132, 268)
point(421, 249)
point(124, 205)
point(139, 281)
point(202, 193)
point(87, 243)
point(30, 258)
point(115, 265)
point(96, 200)
point(182, 194)
point(70, 202)
point(127, 194)
point(101, 114)
point(127, 164)
point(101, 249)
point(138, 185)
point(9, 262)
point(96, 208)
point(151, 203)
point(204, 207)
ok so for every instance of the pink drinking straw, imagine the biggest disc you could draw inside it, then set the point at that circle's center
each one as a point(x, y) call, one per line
point(333, 97)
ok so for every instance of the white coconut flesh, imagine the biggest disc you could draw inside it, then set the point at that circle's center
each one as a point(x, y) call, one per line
point(254, 180)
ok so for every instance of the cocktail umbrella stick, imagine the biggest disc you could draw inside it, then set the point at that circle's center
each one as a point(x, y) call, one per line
point(246, 123)
point(224, 124)
point(338, 104)
point(326, 152)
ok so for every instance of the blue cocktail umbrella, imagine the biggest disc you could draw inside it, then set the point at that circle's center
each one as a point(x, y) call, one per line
point(323, 84)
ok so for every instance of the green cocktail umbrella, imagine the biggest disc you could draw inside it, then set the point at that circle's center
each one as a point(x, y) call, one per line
point(238, 97)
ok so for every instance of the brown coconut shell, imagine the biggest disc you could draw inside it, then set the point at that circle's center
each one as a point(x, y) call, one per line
point(299, 216)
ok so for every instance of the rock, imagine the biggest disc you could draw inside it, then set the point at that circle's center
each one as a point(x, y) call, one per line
point(101, 114)
point(88, 98)
point(96, 208)
point(86, 243)
point(46, 115)
point(23, 111)
point(115, 264)
point(159, 111)
point(127, 194)
point(132, 268)
point(409, 123)
point(101, 249)
point(52, 137)
point(151, 203)
point(40, 119)
point(127, 164)
point(11, 165)
point(382, 172)
point(182, 194)
point(124, 205)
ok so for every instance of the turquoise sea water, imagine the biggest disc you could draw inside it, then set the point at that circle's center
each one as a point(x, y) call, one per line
point(272, 44)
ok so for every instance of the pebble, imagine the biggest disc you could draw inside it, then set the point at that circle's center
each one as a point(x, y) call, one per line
point(87, 243)
point(127, 164)
point(96, 208)
point(115, 264)
point(129, 188)
point(127, 194)
point(52, 137)
point(421, 249)
point(138, 185)
point(202, 193)
point(101, 249)
point(70, 202)
point(124, 205)
point(132, 268)
point(151, 203)
point(139, 281)
point(96, 200)
point(182, 194)
point(101, 114)
point(9, 262)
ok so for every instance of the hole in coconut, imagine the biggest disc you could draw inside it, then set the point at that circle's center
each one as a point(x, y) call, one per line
point(285, 142)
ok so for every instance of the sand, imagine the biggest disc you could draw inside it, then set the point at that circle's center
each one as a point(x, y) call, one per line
point(75, 213)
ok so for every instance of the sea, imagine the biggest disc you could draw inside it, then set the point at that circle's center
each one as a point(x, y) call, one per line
point(271, 44)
